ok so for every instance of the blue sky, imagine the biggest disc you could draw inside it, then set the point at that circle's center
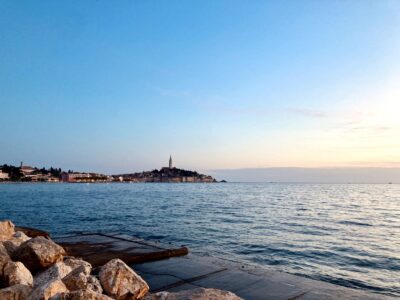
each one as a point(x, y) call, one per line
point(119, 86)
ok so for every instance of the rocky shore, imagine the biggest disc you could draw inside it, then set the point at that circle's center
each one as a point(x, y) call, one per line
point(36, 268)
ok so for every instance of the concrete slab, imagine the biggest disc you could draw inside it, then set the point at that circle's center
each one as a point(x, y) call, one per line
point(191, 271)
point(182, 268)
point(248, 282)
point(99, 248)
point(159, 282)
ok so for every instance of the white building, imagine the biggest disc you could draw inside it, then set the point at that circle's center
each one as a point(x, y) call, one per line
point(27, 170)
point(3, 176)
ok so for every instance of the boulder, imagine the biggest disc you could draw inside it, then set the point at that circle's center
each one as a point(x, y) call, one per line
point(80, 280)
point(16, 273)
point(82, 295)
point(194, 294)
point(19, 235)
point(17, 239)
point(4, 257)
point(75, 263)
point(57, 271)
point(94, 284)
point(6, 230)
point(15, 292)
point(61, 269)
point(121, 282)
point(3, 251)
point(38, 253)
point(48, 290)
point(76, 280)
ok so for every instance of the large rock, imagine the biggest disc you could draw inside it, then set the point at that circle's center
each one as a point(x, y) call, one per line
point(94, 284)
point(38, 253)
point(17, 239)
point(82, 295)
point(6, 230)
point(15, 292)
point(48, 290)
point(4, 258)
point(76, 280)
point(3, 251)
point(194, 294)
point(76, 263)
point(121, 282)
point(61, 269)
point(57, 271)
point(80, 280)
point(17, 273)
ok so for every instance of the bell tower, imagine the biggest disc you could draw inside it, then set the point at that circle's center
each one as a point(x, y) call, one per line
point(170, 162)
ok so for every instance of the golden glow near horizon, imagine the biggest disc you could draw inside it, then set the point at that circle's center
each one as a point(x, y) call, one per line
point(360, 133)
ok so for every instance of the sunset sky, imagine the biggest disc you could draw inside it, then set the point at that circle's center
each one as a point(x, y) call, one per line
point(119, 86)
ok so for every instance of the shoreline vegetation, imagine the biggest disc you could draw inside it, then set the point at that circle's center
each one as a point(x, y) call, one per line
point(34, 267)
point(23, 173)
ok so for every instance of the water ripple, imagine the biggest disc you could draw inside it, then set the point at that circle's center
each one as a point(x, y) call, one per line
point(344, 234)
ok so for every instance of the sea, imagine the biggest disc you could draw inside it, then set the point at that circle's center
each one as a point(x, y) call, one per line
point(345, 234)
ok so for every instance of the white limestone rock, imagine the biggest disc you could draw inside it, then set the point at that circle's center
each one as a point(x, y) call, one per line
point(76, 280)
point(81, 295)
point(3, 251)
point(57, 271)
point(15, 292)
point(194, 294)
point(94, 284)
point(121, 282)
point(76, 263)
point(38, 253)
point(4, 258)
point(17, 239)
point(7, 230)
point(16, 273)
point(48, 290)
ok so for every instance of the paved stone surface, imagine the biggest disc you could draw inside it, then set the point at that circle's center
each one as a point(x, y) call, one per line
point(150, 260)
point(248, 282)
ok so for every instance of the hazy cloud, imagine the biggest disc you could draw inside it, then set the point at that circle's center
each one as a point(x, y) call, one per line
point(311, 175)
point(313, 113)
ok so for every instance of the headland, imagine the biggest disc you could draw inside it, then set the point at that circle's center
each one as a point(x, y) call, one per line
point(170, 174)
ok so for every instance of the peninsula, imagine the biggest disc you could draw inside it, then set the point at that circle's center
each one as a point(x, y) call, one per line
point(170, 174)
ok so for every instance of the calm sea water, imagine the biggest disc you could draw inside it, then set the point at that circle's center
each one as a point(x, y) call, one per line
point(344, 234)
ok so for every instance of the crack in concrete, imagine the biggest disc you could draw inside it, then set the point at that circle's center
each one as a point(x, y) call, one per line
point(298, 296)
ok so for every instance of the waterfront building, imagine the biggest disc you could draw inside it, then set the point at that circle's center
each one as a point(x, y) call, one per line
point(26, 170)
point(188, 179)
point(74, 177)
point(170, 162)
point(3, 175)
point(85, 177)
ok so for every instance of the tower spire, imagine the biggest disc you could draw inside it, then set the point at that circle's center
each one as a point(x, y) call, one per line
point(170, 162)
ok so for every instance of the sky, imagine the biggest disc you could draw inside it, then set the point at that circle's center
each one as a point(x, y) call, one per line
point(219, 85)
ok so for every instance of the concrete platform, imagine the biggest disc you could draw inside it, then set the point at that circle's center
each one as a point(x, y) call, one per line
point(248, 282)
point(165, 269)
point(98, 248)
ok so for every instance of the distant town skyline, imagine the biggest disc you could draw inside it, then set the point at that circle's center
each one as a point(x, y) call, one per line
point(118, 87)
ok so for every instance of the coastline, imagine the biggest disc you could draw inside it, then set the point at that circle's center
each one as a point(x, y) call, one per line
point(226, 218)
point(193, 270)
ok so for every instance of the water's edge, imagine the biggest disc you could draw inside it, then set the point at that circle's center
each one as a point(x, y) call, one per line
point(343, 234)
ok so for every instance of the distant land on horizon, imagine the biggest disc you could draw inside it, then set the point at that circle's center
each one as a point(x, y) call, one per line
point(311, 175)
point(271, 174)
point(170, 174)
